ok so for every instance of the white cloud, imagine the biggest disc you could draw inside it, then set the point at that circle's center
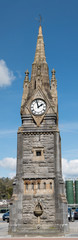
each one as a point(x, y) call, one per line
point(8, 163)
point(12, 174)
point(6, 75)
point(7, 131)
point(69, 127)
point(70, 168)
point(19, 75)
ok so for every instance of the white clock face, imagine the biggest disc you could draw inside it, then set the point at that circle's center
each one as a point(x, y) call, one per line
point(38, 106)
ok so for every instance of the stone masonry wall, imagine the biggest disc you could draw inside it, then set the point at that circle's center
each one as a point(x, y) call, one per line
point(38, 168)
point(47, 219)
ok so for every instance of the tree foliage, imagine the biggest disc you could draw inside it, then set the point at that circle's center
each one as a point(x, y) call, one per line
point(6, 188)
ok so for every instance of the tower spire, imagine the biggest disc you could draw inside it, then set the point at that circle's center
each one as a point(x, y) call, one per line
point(40, 49)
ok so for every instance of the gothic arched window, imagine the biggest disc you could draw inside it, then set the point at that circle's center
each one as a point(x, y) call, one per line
point(26, 186)
point(32, 186)
point(38, 185)
point(35, 85)
point(50, 185)
point(44, 185)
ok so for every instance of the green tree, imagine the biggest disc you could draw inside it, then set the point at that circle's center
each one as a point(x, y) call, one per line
point(6, 188)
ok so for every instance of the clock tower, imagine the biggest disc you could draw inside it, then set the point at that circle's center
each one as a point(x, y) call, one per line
point(39, 203)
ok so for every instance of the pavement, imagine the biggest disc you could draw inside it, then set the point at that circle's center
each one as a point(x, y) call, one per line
point(72, 234)
point(38, 238)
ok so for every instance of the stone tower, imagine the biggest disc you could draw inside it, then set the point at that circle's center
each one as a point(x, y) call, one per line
point(39, 203)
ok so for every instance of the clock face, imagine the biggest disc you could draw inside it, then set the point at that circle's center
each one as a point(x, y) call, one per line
point(38, 106)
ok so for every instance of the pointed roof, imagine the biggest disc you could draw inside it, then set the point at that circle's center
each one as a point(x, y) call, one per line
point(40, 50)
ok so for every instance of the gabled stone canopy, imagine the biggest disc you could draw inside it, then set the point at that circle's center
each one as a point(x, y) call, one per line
point(40, 77)
point(38, 93)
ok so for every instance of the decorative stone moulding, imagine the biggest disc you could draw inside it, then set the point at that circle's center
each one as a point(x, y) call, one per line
point(38, 157)
point(38, 186)
point(38, 210)
point(38, 133)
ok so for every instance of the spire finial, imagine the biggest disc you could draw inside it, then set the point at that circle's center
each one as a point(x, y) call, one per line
point(40, 19)
point(27, 73)
point(53, 76)
point(40, 27)
point(26, 76)
point(53, 71)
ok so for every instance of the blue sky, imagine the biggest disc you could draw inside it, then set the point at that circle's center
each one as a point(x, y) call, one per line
point(18, 37)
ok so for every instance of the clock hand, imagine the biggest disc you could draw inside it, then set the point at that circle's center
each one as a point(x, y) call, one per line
point(37, 103)
point(40, 105)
